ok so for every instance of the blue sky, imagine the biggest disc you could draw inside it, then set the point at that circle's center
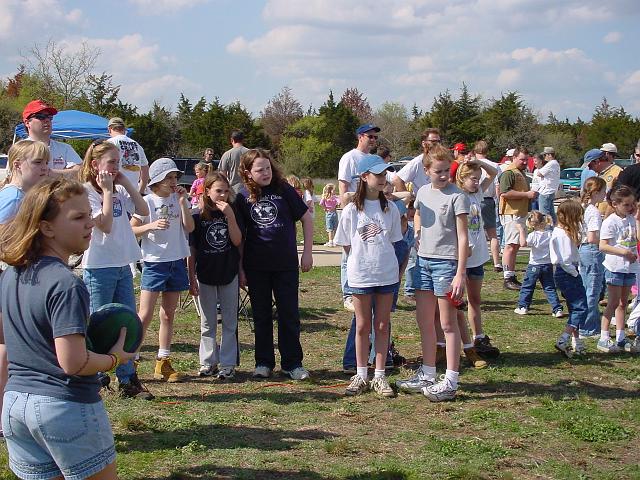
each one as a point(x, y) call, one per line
point(562, 56)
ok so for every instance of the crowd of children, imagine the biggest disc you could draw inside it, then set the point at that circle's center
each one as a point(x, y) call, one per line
point(219, 241)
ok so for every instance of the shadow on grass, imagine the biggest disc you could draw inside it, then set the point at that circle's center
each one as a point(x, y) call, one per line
point(181, 347)
point(205, 437)
point(276, 393)
point(215, 472)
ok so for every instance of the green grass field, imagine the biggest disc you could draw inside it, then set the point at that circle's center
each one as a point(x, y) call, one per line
point(530, 414)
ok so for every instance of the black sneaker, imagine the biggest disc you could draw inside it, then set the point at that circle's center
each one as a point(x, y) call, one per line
point(516, 281)
point(134, 389)
point(511, 283)
point(105, 380)
point(484, 348)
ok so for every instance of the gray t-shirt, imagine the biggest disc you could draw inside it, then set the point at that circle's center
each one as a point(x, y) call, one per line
point(38, 304)
point(229, 164)
point(438, 210)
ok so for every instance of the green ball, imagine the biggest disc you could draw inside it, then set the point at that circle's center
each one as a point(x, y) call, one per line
point(105, 324)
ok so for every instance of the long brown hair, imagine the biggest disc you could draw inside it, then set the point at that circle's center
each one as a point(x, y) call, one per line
point(592, 186)
point(208, 206)
point(246, 162)
point(21, 241)
point(96, 150)
point(570, 216)
point(361, 195)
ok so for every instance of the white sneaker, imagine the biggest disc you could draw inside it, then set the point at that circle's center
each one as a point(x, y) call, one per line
point(333, 244)
point(298, 373)
point(226, 373)
point(348, 304)
point(441, 391)
point(207, 371)
point(328, 244)
point(381, 386)
point(564, 347)
point(608, 346)
point(357, 386)
point(558, 313)
point(521, 310)
point(261, 372)
point(626, 345)
point(579, 347)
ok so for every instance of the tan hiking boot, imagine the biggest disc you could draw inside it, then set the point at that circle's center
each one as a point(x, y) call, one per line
point(164, 371)
point(474, 359)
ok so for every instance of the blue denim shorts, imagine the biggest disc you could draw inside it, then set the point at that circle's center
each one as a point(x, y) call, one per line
point(331, 221)
point(434, 274)
point(619, 279)
point(164, 276)
point(475, 273)
point(378, 289)
point(48, 437)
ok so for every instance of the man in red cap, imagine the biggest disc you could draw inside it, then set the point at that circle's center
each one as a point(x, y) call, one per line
point(459, 149)
point(37, 117)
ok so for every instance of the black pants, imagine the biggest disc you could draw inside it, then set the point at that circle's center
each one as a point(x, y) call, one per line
point(284, 286)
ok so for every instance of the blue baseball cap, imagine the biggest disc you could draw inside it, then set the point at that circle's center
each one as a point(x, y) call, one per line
point(367, 127)
point(591, 156)
point(374, 164)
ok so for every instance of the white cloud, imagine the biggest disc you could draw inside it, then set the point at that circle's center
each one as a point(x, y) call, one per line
point(23, 22)
point(165, 89)
point(541, 56)
point(612, 37)
point(419, 64)
point(161, 7)
point(631, 85)
point(127, 54)
point(508, 77)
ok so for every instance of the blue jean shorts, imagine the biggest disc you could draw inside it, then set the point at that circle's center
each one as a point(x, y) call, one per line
point(475, 273)
point(372, 290)
point(331, 221)
point(164, 276)
point(434, 274)
point(48, 437)
point(619, 279)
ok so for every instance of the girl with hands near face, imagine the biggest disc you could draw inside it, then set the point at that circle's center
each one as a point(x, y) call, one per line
point(214, 266)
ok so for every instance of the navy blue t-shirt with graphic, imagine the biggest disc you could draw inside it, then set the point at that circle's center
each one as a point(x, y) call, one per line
point(217, 258)
point(270, 240)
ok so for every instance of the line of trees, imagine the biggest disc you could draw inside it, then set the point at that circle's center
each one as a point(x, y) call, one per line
point(307, 142)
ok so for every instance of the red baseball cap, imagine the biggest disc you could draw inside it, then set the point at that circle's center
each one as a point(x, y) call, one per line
point(459, 147)
point(37, 106)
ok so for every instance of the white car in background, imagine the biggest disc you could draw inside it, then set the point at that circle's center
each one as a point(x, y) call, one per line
point(3, 167)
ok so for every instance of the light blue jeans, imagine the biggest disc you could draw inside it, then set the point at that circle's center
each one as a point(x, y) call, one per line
point(592, 273)
point(545, 204)
point(346, 291)
point(112, 285)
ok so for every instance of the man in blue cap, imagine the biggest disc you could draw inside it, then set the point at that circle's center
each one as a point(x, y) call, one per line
point(590, 158)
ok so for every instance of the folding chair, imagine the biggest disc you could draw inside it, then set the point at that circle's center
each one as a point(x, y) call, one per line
point(244, 307)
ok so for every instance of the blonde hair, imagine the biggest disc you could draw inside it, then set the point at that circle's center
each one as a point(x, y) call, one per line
point(465, 170)
point(95, 152)
point(537, 219)
point(22, 149)
point(436, 153)
point(592, 186)
point(21, 240)
point(325, 190)
point(307, 183)
point(570, 216)
point(294, 182)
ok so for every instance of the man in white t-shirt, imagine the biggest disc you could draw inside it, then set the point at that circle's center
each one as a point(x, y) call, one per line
point(133, 161)
point(414, 170)
point(549, 175)
point(37, 117)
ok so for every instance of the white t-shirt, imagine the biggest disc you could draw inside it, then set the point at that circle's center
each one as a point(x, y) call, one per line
point(621, 233)
point(132, 157)
point(592, 220)
point(490, 191)
point(538, 241)
point(535, 181)
point(308, 197)
point(551, 180)
point(62, 155)
point(348, 168)
point(477, 240)
point(164, 245)
point(119, 247)
point(414, 172)
point(563, 252)
point(371, 233)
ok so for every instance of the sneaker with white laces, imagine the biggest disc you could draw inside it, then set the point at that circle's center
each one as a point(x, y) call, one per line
point(415, 383)
point(564, 347)
point(328, 244)
point(441, 391)
point(608, 346)
point(348, 304)
point(357, 386)
point(226, 373)
point(261, 372)
point(207, 371)
point(626, 345)
point(521, 310)
point(298, 373)
point(579, 348)
point(558, 313)
point(381, 386)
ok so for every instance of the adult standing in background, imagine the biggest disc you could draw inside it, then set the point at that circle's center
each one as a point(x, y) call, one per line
point(630, 176)
point(207, 157)
point(607, 170)
point(488, 207)
point(588, 165)
point(37, 117)
point(549, 175)
point(230, 160)
point(133, 161)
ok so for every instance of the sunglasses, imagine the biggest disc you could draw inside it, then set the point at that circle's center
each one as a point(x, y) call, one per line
point(41, 116)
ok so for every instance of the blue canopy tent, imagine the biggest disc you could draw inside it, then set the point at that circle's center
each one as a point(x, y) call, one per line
point(74, 125)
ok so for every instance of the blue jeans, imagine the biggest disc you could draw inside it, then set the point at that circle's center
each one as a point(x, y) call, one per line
point(112, 285)
point(544, 273)
point(573, 292)
point(409, 289)
point(346, 291)
point(499, 228)
point(592, 273)
point(545, 204)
